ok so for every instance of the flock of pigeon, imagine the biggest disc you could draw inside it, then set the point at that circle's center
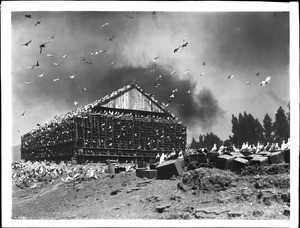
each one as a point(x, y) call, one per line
point(179, 48)
point(246, 147)
point(37, 174)
point(43, 46)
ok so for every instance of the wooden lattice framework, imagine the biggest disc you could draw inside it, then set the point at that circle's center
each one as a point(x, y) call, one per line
point(129, 124)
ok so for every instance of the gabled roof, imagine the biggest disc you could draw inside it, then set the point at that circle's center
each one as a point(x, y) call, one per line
point(113, 96)
point(104, 100)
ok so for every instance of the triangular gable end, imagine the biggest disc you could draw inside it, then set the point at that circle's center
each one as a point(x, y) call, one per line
point(133, 99)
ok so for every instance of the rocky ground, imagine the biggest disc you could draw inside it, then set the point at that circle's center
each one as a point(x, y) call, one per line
point(204, 193)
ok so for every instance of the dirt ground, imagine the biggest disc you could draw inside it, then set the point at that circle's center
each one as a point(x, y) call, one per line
point(204, 193)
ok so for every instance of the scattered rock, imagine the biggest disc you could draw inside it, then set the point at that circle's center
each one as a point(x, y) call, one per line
point(286, 212)
point(267, 200)
point(233, 214)
point(182, 187)
point(203, 214)
point(223, 200)
point(153, 199)
point(233, 184)
point(189, 209)
point(285, 197)
point(181, 216)
point(192, 166)
point(143, 183)
point(161, 208)
point(115, 192)
point(175, 198)
point(257, 213)
point(173, 177)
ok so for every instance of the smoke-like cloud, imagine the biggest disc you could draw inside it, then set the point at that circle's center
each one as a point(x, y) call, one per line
point(195, 108)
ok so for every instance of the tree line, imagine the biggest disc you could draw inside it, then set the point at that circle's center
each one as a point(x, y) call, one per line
point(246, 128)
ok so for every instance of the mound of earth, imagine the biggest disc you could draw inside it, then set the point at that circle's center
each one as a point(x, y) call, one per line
point(206, 179)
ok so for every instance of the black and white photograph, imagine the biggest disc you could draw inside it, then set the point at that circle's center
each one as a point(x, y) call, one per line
point(150, 113)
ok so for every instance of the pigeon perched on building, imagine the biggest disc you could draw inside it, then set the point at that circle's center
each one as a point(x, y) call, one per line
point(245, 147)
point(267, 147)
point(214, 149)
point(235, 149)
point(162, 158)
point(259, 147)
point(285, 146)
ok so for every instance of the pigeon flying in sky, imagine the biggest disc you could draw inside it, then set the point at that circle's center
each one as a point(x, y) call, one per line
point(265, 82)
point(185, 44)
point(72, 76)
point(23, 113)
point(52, 37)
point(31, 67)
point(176, 50)
point(27, 16)
point(111, 38)
point(37, 23)
point(27, 43)
point(28, 83)
point(105, 24)
point(231, 76)
point(129, 16)
point(57, 64)
point(43, 46)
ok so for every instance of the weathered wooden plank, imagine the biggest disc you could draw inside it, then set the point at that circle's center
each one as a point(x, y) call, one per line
point(134, 100)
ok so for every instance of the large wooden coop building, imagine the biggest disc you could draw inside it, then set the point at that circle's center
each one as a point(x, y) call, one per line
point(125, 125)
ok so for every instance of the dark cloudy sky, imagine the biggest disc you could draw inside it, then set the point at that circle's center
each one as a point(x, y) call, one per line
point(239, 43)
